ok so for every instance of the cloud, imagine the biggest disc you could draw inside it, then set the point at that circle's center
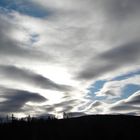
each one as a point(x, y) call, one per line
point(131, 104)
point(113, 59)
point(63, 106)
point(57, 108)
point(96, 107)
point(16, 99)
point(114, 89)
point(134, 99)
point(28, 77)
point(14, 42)
point(122, 9)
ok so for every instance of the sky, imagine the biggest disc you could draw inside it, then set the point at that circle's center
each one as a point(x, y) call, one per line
point(69, 56)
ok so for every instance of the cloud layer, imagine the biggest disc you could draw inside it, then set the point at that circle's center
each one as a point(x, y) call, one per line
point(59, 51)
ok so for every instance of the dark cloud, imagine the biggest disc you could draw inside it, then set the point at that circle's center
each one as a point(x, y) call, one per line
point(111, 60)
point(126, 53)
point(127, 105)
point(121, 26)
point(15, 99)
point(28, 77)
point(121, 9)
point(135, 99)
point(123, 107)
point(66, 106)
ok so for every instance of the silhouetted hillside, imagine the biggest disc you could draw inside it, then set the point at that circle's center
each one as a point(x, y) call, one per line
point(95, 127)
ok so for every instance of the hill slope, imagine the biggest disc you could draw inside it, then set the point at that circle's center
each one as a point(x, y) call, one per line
point(87, 127)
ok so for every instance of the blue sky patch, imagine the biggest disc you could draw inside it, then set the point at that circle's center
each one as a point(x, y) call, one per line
point(129, 89)
point(25, 7)
point(95, 87)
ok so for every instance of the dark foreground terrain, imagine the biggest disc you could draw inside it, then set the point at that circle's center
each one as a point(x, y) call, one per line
point(88, 127)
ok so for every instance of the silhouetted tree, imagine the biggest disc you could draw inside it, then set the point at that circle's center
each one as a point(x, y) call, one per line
point(0, 120)
point(65, 115)
point(7, 118)
point(13, 118)
point(29, 118)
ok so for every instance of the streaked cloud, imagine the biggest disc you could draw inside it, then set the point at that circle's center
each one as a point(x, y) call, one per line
point(15, 99)
point(28, 77)
point(127, 106)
